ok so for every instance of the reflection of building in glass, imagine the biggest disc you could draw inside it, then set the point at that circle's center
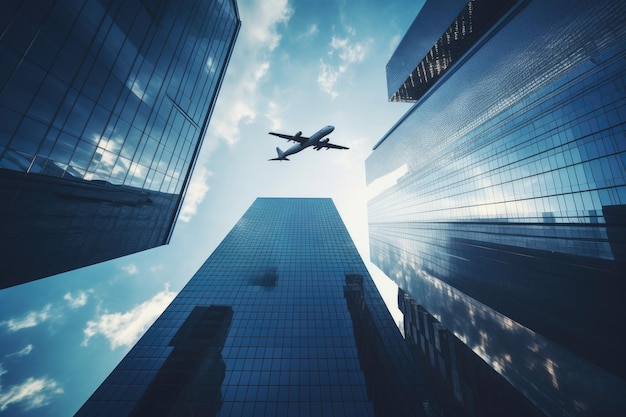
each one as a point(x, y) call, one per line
point(474, 20)
point(501, 194)
point(390, 382)
point(103, 107)
point(189, 381)
point(464, 381)
point(299, 326)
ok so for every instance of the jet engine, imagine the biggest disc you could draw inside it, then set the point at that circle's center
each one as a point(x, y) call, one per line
point(320, 146)
point(295, 137)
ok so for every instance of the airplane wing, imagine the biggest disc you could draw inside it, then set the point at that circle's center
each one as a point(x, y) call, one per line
point(295, 138)
point(325, 144)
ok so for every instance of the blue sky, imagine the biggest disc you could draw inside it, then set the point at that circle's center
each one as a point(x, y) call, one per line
point(297, 65)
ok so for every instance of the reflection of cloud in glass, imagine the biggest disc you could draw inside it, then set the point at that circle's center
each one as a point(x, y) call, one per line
point(499, 204)
point(119, 170)
point(153, 88)
point(136, 174)
point(551, 369)
point(553, 378)
point(137, 89)
point(386, 181)
point(105, 164)
point(162, 166)
point(209, 65)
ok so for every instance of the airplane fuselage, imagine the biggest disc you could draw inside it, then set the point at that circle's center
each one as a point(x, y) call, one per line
point(313, 140)
point(317, 141)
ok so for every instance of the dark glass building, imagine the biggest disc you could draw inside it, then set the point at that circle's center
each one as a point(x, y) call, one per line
point(460, 378)
point(282, 319)
point(103, 108)
point(498, 201)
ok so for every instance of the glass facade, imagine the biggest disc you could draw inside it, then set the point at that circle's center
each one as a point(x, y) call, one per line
point(102, 104)
point(282, 319)
point(423, 34)
point(498, 202)
point(462, 379)
point(476, 18)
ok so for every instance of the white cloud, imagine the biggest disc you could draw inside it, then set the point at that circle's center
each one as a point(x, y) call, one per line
point(22, 352)
point(30, 319)
point(327, 78)
point(393, 43)
point(239, 100)
point(130, 269)
point(76, 301)
point(273, 115)
point(124, 329)
point(312, 31)
point(32, 393)
point(248, 67)
point(267, 14)
point(198, 187)
point(348, 53)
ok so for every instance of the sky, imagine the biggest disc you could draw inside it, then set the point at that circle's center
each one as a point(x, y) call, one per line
point(297, 65)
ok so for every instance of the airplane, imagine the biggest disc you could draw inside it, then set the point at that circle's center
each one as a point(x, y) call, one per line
point(303, 142)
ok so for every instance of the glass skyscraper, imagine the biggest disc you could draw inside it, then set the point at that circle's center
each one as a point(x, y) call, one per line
point(498, 201)
point(460, 378)
point(282, 319)
point(103, 108)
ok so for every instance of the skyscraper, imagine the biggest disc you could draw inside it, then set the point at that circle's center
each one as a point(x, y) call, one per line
point(462, 380)
point(498, 201)
point(282, 319)
point(103, 108)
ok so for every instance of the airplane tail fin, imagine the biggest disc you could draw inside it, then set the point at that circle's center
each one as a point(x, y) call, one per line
point(281, 155)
